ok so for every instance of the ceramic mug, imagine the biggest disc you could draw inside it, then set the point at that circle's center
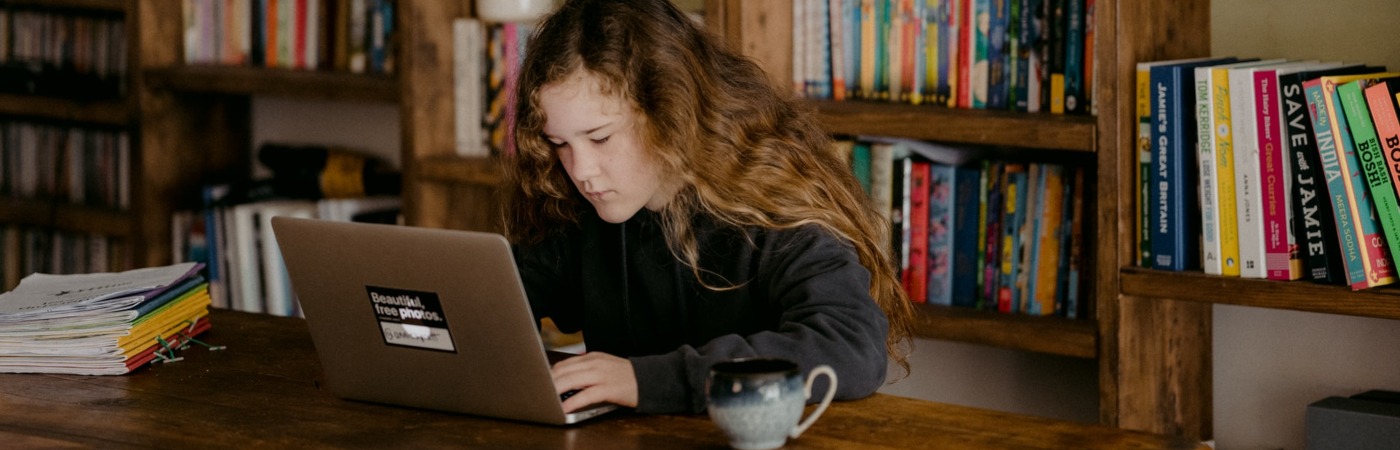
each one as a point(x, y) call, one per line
point(758, 402)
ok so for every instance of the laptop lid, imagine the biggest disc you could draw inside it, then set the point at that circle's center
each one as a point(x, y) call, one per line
point(420, 317)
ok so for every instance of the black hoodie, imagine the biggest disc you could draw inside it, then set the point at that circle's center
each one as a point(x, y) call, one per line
point(799, 294)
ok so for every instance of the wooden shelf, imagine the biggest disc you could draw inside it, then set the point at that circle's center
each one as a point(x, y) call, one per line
point(964, 126)
point(115, 6)
point(106, 112)
point(74, 218)
point(242, 80)
point(459, 170)
point(1382, 302)
point(1052, 335)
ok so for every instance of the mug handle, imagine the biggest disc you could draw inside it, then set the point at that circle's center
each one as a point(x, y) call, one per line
point(826, 401)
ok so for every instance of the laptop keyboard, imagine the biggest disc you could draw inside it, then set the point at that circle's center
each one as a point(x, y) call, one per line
point(566, 395)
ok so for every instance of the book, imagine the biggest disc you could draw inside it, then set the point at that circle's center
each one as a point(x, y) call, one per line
point(1041, 300)
point(1143, 156)
point(99, 323)
point(277, 289)
point(952, 233)
point(468, 87)
point(1313, 224)
point(1174, 225)
point(1073, 276)
point(1216, 162)
point(1025, 245)
point(1361, 240)
point(966, 204)
point(941, 211)
point(1244, 132)
point(1375, 174)
point(993, 216)
point(1013, 216)
point(1383, 99)
point(1282, 256)
point(1074, 100)
point(917, 239)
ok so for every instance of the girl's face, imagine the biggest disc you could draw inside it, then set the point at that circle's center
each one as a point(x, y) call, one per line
point(595, 136)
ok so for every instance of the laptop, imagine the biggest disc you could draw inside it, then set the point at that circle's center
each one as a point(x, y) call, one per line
point(419, 317)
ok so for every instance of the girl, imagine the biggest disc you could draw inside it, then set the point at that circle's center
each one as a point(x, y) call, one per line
point(680, 210)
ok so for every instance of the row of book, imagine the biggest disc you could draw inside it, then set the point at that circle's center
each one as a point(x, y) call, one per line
point(234, 238)
point(1020, 55)
point(1271, 169)
point(64, 163)
point(486, 62)
point(102, 323)
point(27, 250)
point(988, 234)
point(344, 35)
point(62, 53)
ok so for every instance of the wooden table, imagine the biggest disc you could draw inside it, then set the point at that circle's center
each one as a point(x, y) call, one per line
point(263, 392)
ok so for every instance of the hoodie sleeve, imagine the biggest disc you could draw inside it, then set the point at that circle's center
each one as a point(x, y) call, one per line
point(828, 317)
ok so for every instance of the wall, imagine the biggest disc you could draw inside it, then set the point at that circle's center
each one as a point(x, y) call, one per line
point(1005, 380)
point(1269, 364)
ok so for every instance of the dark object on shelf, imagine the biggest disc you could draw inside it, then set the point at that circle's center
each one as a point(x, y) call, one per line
point(37, 79)
point(315, 172)
point(1369, 420)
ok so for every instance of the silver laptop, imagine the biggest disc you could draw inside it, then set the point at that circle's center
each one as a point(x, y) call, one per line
point(420, 317)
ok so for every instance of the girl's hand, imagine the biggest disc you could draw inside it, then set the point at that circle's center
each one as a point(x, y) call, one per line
point(598, 377)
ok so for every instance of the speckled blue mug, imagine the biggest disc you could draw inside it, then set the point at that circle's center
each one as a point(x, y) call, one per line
point(758, 402)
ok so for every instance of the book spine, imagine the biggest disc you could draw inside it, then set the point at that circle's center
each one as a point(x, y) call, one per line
point(1313, 223)
point(1383, 113)
point(1248, 200)
point(1015, 56)
point(1143, 216)
point(1280, 252)
point(1227, 202)
point(983, 178)
point(941, 244)
point(1031, 209)
point(1333, 170)
point(1363, 208)
point(1013, 203)
point(1373, 168)
point(836, 21)
point(1171, 248)
point(997, 46)
point(1075, 242)
point(966, 204)
point(996, 215)
point(867, 49)
point(1209, 185)
point(1054, 95)
point(1030, 232)
point(1074, 57)
point(919, 237)
point(1048, 239)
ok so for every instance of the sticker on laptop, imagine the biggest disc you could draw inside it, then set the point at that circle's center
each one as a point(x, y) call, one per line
point(411, 318)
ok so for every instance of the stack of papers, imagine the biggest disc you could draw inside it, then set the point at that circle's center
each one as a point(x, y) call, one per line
point(102, 323)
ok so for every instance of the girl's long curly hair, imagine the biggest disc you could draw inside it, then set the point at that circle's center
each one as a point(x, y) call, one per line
point(747, 153)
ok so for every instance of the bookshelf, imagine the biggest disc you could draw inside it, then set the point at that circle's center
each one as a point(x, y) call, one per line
point(191, 125)
point(49, 214)
point(1173, 313)
point(1145, 382)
